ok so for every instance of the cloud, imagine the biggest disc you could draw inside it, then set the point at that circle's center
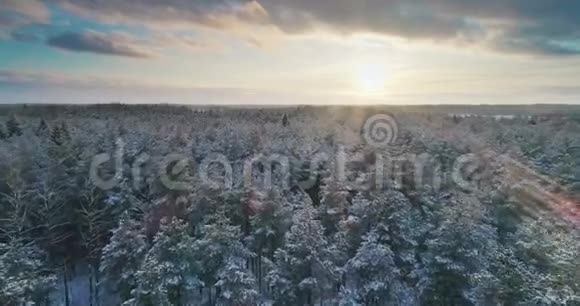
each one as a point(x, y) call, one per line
point(168, 40)
point(100, 43)
point(512, 26)
point(169, 13)
point(516, 26)
point(18, 86)
point(12, 78)
point(25, 36)
point(557, 39)
point(21, 12)
point(15, 14)
point(30, 10)
point(391, 17)
point(539, 27)
point(21, 77)
point(538, 46)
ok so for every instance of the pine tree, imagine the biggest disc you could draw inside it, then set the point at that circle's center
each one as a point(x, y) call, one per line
point(65, 131)
point(269, 225)
point(94, 220)
point(400, 225)
point(334, 202)
point(349, 297)
point(362, 216)
point(304, 269)
point(549, 274)
point(373, 274)
point(56, 135)
point(236, 284)
point(13, 126)
point(459, 253)
point(17, 208)
point(3, 134)
point(54, 231)
point(24, 279)
point(42, 128)
point(123, 255)
point(169, 272)
point(60, 134)
point(219, 241)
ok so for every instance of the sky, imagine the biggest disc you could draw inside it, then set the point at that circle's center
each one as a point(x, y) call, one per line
point(290, 51)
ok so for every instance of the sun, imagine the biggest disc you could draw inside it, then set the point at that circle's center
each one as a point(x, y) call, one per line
point(370, 78)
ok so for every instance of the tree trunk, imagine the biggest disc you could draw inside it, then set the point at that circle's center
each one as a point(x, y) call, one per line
point(260, 270)
point(91, 295)
point(65, 280)
point(218, 291)
point(309, 291)
point(209, 295)
point(97, 278)
point(272, 247)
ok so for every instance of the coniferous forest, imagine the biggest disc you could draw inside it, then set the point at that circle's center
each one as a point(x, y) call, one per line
point(173, 205)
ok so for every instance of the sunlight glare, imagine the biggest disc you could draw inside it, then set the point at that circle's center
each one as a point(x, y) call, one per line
point(371, 78)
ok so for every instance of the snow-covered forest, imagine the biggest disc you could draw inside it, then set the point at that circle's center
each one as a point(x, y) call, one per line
point(469, 210)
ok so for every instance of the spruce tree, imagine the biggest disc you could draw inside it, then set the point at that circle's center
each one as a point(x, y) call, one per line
point(269, 225)
point(65, 131)
point(23, 275)
point(304, 269)
point(169, 272)
point(236, 284)
point(13, 127)
point(219, 242)
point(42, 128)
point(60, 134)
point(94, 221)
point(373, 274)
point(458, 253)
point(123, 255)
point(56, 135)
